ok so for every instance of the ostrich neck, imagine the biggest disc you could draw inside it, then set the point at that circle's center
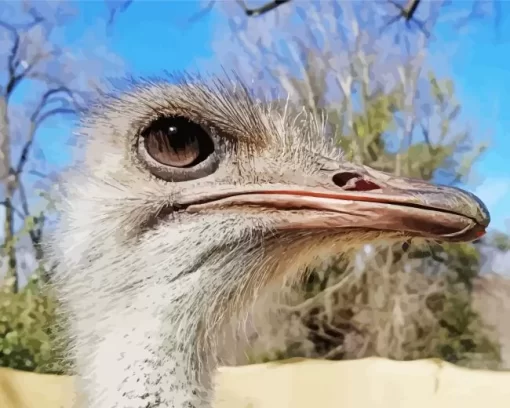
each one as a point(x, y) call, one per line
point(149, 338)
point(148, 354)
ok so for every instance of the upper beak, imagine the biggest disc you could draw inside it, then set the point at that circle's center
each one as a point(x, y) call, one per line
point(362, 198)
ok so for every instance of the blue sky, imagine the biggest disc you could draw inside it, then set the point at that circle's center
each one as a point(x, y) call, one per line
point(152, 36)
point(480, 68)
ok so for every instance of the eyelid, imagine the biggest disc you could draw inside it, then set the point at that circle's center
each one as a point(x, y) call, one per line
point(179, 174)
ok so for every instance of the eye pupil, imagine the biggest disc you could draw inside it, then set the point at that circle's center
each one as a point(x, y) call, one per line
point(177, 142)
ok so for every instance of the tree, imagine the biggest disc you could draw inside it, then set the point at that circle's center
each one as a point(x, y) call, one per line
point(45, 81)
point(406, 11)
point(383, 106)
point(386, 108)
point(42, 80)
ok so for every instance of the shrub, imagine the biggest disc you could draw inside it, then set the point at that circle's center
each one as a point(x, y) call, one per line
point(27, 323)
point(388, 305)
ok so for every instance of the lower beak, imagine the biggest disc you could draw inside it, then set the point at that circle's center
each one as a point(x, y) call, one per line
point(364, 200)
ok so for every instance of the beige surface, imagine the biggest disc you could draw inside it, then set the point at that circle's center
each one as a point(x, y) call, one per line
point(369, 383)
point(364, 383)
point(19, 389)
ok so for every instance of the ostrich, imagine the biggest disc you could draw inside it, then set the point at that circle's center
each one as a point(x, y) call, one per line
point(191, 198)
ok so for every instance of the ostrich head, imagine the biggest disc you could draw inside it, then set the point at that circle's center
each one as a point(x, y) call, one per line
point(191, 198)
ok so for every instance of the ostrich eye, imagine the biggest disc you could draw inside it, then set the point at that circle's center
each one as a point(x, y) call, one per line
point(177, 149)
point(177, 142)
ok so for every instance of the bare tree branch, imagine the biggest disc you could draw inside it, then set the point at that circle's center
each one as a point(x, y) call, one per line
point(39, 174)
point(36, 232)
point(114, 11)
point(20, 214)
point(407, 13)
point(17, 78)
point(37, 118)
point(201, 13)
point(255, 12)
point(13, 61)
point(58, 99)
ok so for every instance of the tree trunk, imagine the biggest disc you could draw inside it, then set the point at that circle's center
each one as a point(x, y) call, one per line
point(9, 180)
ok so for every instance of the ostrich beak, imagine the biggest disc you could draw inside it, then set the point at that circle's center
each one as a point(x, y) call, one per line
point(358, 197)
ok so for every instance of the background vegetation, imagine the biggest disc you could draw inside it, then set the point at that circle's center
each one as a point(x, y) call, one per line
point(384, 105)
point(387, 108)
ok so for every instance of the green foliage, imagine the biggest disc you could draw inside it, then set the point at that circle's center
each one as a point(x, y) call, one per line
point(390, 131)
point(499, 241)
point(27, 322)
point(389, 311)
point(463, 338)
point(415, 137)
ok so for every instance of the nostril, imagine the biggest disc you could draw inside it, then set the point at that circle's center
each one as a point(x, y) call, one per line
point(353, 182)
point(341, 179)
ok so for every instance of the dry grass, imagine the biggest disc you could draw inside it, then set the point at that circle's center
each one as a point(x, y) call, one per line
point(390, 308)
point(491, 298)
